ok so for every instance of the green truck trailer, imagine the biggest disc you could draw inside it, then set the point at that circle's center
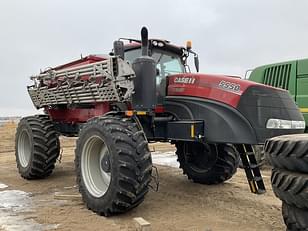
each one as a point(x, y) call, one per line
point(290, 75)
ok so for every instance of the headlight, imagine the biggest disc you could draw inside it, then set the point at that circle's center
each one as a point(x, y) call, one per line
point(298, 124)
point(285, 124)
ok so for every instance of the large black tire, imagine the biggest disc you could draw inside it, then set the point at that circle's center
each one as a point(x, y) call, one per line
point(37, 147)
point(290, 187)
point(288, 152)
point(207, 163)
point(123, 173)
point(296, 219)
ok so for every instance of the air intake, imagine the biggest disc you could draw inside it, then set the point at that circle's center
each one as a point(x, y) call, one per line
point(277, 76)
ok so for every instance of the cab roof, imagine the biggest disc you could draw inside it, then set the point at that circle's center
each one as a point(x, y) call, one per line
point(155, 43)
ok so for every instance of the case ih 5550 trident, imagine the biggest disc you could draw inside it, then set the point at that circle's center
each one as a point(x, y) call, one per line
point(144, 92)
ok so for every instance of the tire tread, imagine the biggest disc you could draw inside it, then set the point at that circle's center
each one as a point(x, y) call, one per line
point(290, 187)
point(288, 152)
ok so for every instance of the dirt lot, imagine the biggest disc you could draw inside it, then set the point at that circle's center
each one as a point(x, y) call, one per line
point(179, 204)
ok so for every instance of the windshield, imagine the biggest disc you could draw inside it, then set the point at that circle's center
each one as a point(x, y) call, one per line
point(167, 64)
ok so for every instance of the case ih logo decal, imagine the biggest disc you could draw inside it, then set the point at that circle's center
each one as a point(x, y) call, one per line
point(187, 80)
point(229, 86)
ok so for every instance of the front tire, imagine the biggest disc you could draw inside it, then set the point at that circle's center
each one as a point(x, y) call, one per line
point(207, 163)
point(37, 147)
point(113, 165)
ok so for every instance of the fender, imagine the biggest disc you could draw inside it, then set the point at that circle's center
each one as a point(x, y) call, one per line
point(222, 123)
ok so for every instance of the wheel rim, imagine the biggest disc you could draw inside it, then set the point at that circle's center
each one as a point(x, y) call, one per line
point(24, 149)
point(94, 173)
point(202, 158)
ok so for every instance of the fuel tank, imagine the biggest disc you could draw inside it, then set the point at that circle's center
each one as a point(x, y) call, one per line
point(233, 110)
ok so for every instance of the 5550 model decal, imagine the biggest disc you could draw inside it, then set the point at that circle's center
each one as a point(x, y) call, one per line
point(229, 86)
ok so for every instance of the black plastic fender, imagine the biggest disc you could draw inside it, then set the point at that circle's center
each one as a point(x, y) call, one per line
point(222, 123)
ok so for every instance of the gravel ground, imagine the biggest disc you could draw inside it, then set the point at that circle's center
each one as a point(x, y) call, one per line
point(178, 205)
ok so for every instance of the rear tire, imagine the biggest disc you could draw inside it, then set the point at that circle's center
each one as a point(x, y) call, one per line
point(113, 165)
point(207, 163)
point(290, 187)
point(295, 218)
point(37, 147)
point(288, 152)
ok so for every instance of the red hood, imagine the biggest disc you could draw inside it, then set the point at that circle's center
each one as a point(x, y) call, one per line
point(222, 88)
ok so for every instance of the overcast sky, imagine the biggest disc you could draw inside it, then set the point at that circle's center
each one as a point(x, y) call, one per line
point(230, 36)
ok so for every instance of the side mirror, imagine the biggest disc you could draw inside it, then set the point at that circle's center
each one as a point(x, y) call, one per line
point(196, 60)
point(118, 49)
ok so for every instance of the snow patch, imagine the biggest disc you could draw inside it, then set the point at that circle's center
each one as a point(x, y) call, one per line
point(165, 158)
point(3, 186)
point(14, 204)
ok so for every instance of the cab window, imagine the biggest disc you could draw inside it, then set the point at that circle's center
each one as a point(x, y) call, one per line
point(167, 64)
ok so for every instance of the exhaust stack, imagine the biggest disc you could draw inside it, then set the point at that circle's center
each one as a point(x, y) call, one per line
point(144, 98)
point(144, 42)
